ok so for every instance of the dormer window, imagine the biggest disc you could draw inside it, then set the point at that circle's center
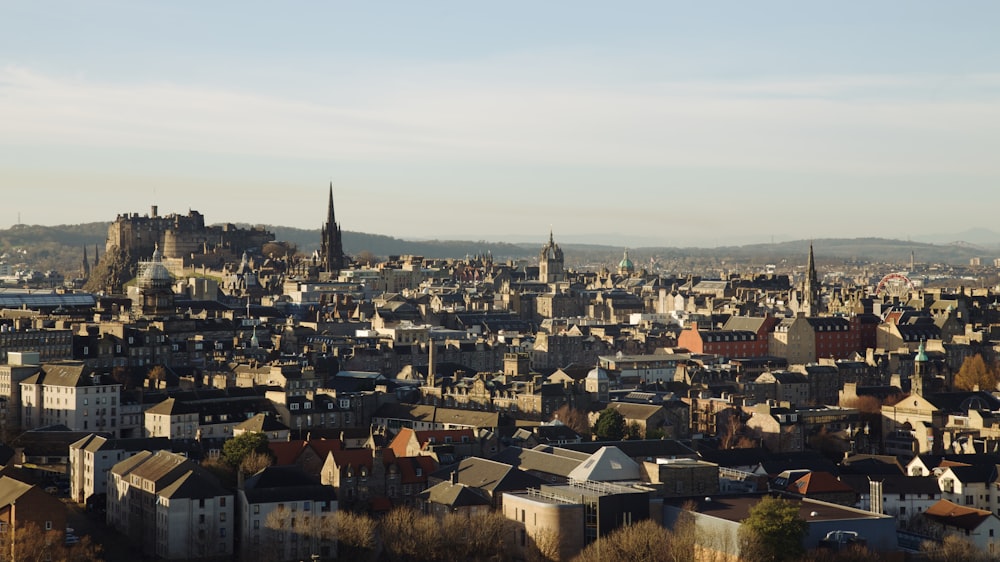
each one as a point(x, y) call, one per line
point(294, 406)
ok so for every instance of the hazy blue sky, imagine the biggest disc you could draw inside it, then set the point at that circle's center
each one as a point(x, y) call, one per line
point(662, 122)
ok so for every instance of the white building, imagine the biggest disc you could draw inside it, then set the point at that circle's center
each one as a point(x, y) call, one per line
point(171, 507)
point(71, 394)
point(91, 459)
point(285, 514)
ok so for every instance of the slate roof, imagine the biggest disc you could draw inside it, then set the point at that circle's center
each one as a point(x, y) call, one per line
point(285, 483)
point(454, 495)
point(538, 461)
point(261, 423)
point(894, 484)
point(490, 476)
point(637, 449)
point(11, 489)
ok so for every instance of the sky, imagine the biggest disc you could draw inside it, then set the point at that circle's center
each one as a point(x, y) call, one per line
point(630, 123)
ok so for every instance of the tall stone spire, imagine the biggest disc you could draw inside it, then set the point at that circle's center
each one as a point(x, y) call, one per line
point(332, 246)
point(810, 287)
point(85, 264)
point(97, 257)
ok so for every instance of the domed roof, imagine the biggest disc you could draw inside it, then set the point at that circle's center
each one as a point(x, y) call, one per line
point(597, 374)
point(921, 354)
point(626, 264)
point(153, 274)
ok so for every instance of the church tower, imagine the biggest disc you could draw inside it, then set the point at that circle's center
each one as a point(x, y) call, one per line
point(331, 246)
point(550, 262)
point(811, 288)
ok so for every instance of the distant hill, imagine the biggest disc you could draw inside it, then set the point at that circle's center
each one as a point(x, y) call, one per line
point(61, 247)
point(983, 237)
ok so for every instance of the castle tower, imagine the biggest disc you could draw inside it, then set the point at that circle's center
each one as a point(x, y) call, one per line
point(332, 246)
point(811, 288)
point(550, 262)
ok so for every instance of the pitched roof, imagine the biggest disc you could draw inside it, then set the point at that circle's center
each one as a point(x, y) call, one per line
point(954, 515)
point(285, 483)
point(11, 489)
point(819, 483)
point(491, 476)
point(454, 495)
point(354, 458)
point(608, 464)
point(636, 448)
point(538, 461)
point(286, 452)
point(262, 423)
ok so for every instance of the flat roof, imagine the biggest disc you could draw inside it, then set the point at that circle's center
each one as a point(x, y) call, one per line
point(736, 508)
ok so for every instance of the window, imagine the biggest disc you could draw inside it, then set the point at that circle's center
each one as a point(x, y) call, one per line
point(222, 532)
point(222, 501)
point(222, 516)
point(256, 509)
point(48, 525)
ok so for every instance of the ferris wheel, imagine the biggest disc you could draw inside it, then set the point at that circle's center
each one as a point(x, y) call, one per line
point(895, 285)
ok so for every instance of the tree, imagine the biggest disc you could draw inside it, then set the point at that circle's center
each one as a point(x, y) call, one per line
point(256, 462)
point(975, 372)
point(355, 536)
point(953, 549)
point(610, 425)
point(634, 430)
point(29, 543)
point(156, 375)
point(366, 257)
point(772, 532)
point(573, 418)
point(237, 449)
point(641, 541)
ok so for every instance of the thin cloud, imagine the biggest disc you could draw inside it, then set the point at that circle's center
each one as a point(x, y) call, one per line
point(866, 124)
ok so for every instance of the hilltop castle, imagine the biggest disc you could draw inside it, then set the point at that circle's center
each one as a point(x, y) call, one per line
point(180, 237)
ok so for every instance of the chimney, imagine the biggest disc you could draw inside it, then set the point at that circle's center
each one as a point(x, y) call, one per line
point(152, 212)
point(454, 477)
point(875, 495)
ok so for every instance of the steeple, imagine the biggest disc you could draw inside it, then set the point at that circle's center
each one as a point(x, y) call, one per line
point(332, 246)
point(97, 257)
point(85, 264)
point(810, 287)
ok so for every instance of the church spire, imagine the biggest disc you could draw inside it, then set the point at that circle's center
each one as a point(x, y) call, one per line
point(332, 246)
point(330, 217)
point(86, 263)
point(810, 287)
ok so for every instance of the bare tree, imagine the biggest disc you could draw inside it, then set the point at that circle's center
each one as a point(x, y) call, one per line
point(255, 462)
point(642, 541)
point(574, 419)
point(953, 549)
point(356, 536)
point(29, 543)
